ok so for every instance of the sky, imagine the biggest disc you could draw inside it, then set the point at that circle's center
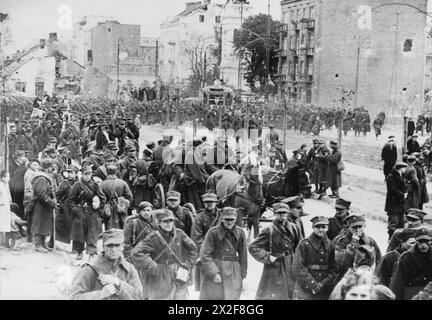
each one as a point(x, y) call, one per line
point(34, 19)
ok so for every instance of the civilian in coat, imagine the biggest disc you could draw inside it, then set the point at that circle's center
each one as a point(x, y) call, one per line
point(113, 188)
point(314, 266)
point(421, 176)
point(165, 256)
point(109, 276)
point(334, 176)
point(322, 166)
point(86, 201)
point(411, 127)
point(348, 242)
point(337, 222)
point(395, 198)
point(389, 155)
point(275, 247)
point(412, 183)
point(413, 270)
point(224, 259)
point(103, 136)
point(385, 268)
point(43, 206)
point(183, 217)
point(310, 162)
point(413, 145)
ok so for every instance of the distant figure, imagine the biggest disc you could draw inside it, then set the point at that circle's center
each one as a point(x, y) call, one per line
point(389, 155)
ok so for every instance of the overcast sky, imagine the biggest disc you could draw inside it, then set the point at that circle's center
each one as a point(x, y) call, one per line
point(34, 19)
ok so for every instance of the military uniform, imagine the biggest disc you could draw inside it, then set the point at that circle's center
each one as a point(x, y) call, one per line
point(279, 240)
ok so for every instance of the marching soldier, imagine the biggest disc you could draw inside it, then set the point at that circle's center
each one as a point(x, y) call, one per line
point(275, 247)
point(109, 276)
point(413, 270)
point(337, 223)
point(348, 242)
point(314, 266)
point(183, 217)
point(224, 259)
point(166, 256)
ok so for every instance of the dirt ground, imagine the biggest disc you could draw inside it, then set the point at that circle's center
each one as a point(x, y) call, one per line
point(27, 274)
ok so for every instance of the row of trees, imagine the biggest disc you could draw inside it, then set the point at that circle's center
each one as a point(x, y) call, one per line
point(204, 58)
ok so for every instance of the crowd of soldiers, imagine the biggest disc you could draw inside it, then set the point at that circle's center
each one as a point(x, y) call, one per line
point(74, 175)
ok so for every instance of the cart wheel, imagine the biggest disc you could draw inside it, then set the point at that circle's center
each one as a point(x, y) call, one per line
point(159, 201)
point(191, 208)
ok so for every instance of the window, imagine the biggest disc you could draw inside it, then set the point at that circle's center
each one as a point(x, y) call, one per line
point(312, 12)
point(303, 40)
point(292, 15)
point(20, 86)
point(311, 40)
point(201, 18)
point(310, 67)
point(218, 19)
point(302, 65)
point(290, 68)
point(292, 42)
point(298, 15)
point(304, 13)
point(296, 68)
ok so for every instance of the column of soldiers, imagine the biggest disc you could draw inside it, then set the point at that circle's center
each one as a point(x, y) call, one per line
point(152, 254)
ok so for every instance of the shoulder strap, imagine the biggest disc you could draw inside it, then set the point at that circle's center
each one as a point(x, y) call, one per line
point(167, 246)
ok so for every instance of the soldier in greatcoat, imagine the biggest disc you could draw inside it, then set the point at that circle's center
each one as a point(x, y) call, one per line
point(412, 183)
point(109, 276)
point(86, 201)
point(223, 257)
point(413, 270)
point(314, 266)
point(275, 247)
point(337, 222)
point(166, 256)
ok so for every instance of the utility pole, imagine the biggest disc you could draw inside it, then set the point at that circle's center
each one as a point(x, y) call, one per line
point(118, 67)
point(267, 71)
point(157, 59)
point(240, 55)
point(357, 76)
point(204, 68)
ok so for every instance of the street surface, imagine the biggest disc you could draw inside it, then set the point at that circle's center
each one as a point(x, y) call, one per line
point(27, 274)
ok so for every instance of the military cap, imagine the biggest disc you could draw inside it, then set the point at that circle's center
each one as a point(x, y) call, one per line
point(121, 121)
point(111, 145)
point(60, 149)
point(102, 122)
point(98, 113)
point(229, 212)
point(50, 150)
point(209, 197)
point(150, 145)
point(110, 156)
point(411, 158)
point(271, 126)
point(86, 168)
point(28, 130)
point(400, 165)
point(294, 201)
point(144, 204)
point(72, 168)
point(46, 163)
point(281, 207)
point(319, 220)
point(52, 139)
point(321, 141)
point(423, 234)
point(391, 138)
point(16, 120)
point(163, 214)
point(173, 195)
point(147, 152)
point(315, 141)
point(112, 236)
point(355, 220)
point(166, 138)
point(196, 142)
point(342, 204)
point(333, 143)
point(415, 136)
point(416, 214)
point(111, 169)
point(130, 148)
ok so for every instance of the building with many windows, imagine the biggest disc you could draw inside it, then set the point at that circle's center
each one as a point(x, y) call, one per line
point(375, 48)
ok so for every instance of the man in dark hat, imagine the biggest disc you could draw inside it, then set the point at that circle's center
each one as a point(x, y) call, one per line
point(44, 205)
point(396, 197)
point(109, 159)
point(412, 184)
point(111, 147)
point(27, 143)
point(385, 268)
point(334, 176)
point(275, 247)
point(314, 266)
point(414, 219)
point(166, 255)
point(184, 218)
point(310, 164)
point(224, 259)
point(389, 155)
point(122, 133)
point(348, 242)
point(337, 222)
point(322, 167)
point(413, 270)
point(413, 145)
point(109, 276)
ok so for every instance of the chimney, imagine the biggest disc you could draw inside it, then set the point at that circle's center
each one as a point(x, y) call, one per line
point(53, 36)
point(42, 43)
